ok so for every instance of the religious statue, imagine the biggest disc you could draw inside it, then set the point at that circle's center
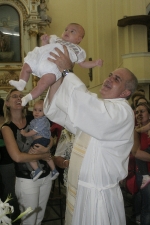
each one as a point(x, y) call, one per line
point(42, 8)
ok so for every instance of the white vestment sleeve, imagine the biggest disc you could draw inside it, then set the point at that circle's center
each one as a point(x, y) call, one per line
point(56, 114)
point(75, 108)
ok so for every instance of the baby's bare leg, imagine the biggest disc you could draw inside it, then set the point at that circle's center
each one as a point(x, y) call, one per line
point(23, 79)
point(37, 171)
point(25, 72)
point(34, 165)
point(45, 81)
point(51, 164)
point(55, 173)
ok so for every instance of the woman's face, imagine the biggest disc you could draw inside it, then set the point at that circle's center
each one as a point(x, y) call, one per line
point(142, 115)
point(14, 101)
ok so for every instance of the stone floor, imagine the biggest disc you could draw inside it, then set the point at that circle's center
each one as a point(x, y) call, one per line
point(55, 211)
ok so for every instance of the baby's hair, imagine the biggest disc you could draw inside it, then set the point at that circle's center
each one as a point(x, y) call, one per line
point(83, 31)
point(40, 101)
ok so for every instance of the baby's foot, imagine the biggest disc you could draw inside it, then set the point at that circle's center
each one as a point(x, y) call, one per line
point(19, 85)
point(54, 174)
point(35, 174)
point(26, 99)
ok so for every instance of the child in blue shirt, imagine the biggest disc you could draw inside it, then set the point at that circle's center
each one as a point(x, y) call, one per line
point(40, 132)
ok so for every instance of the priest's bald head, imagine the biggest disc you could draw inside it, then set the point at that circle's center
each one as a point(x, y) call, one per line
point(121, 83)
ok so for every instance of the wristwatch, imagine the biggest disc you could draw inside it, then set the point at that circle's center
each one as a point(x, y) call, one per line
point(65, 72)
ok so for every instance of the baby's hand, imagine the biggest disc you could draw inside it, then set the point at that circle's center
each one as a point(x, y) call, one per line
point(23, 132)
point(99, 62)
point(45, 39)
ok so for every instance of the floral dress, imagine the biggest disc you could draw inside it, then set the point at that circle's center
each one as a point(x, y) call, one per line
point(64, 148)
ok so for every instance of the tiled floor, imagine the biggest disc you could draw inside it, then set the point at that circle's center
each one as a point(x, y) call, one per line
point(57, 203)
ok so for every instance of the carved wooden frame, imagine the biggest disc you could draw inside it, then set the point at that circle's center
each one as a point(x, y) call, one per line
point(31, 25)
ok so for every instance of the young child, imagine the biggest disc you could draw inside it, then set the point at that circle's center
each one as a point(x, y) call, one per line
point(142, 165)
point(37, 62)
point(40, 132)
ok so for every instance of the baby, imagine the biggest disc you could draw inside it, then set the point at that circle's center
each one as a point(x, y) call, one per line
point(40, 132)
point(37, 62)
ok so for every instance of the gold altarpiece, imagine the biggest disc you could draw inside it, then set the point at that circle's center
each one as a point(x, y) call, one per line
point(20, 29)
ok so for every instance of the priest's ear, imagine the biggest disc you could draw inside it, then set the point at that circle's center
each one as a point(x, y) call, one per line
point(125, 94)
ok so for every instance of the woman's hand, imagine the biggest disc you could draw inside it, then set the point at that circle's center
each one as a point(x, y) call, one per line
point(137, 129)
point(37, 149)
point(23, 132)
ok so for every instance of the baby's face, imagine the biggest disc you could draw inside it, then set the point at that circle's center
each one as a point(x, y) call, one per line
point(38, 110)
point(73, 33)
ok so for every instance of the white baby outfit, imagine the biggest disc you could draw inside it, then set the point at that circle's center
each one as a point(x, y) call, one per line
point(38, 58)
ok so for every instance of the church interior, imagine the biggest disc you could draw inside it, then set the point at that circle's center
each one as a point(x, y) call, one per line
point(118, 32)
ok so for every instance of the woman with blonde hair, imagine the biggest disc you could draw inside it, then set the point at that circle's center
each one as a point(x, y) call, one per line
point(7, 171)
point(28, 193)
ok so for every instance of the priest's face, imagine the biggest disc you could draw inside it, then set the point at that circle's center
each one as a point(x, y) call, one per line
point(115, 85)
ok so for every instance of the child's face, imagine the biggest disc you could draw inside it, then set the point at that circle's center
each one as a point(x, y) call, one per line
point(38, 110)
point(73, 33)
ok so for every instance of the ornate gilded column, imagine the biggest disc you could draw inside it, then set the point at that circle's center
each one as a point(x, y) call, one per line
point(33, 43)
point(33, 38)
